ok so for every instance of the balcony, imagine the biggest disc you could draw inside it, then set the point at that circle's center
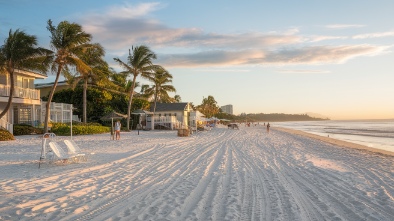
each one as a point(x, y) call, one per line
point(25, 93)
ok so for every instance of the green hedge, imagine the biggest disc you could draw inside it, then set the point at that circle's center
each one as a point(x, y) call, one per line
point(6, 135)
point(24, 129)
point(62, 129)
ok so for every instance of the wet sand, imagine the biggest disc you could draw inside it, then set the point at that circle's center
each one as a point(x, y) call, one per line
point(336, 142)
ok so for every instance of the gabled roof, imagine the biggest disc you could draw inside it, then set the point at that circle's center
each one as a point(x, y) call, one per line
point(161, 107)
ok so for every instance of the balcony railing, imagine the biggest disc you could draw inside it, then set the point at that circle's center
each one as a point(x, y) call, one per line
point(165, 119)
point(19, 92)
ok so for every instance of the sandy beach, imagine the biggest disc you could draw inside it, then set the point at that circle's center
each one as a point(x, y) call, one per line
point(221, 174)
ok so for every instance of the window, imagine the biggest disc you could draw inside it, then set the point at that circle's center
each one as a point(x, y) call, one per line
point(25, 115)
point(19, 81)
point(25, 83)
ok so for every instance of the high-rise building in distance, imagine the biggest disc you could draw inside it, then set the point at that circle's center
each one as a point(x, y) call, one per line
point(227, 108)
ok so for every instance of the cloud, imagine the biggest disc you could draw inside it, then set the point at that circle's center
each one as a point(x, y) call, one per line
point(122, 26)
point(129, 11)
point(305, 55)
point(303, 71)
point(318, 38)
point(344, 26)
point(220, 70)
point(375, 35)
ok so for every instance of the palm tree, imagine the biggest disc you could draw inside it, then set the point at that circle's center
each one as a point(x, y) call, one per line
point(160, 87)
point(138, 63)
point(20, 51)
point(121, 83)
point(97, 74)
point(68, 41)
point(177, 98)
point(144, 87)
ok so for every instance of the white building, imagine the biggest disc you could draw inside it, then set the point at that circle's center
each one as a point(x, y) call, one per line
point(227, 108)
point(59, 112)
point(26, 103)
point(172, 115)
point(27, 107)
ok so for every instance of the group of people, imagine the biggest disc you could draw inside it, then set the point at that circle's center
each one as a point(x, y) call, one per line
point(118, 125)
point(268, 125)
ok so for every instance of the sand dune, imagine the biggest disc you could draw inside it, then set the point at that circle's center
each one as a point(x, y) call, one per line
point(220, 174)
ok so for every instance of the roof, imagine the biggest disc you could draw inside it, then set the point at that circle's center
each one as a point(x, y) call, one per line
point(161, 107)
point(139, 111)
point(31, 74)
point(50, 84)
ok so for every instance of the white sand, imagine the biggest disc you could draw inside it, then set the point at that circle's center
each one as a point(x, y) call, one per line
point(221, 174)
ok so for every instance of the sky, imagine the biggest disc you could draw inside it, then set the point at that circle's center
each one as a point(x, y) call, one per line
point(334, 58)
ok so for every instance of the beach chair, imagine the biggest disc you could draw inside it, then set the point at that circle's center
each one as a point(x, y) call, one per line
point(74, 150)
point(59, 152)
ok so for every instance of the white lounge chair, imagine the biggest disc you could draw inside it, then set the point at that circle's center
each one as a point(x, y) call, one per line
point(74, 150)
point(59, 152)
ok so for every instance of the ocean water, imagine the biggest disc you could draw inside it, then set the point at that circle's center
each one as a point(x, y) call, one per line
point(372, 133)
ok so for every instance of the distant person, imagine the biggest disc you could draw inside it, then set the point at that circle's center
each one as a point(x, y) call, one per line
point(117, 130)
point(268, 127)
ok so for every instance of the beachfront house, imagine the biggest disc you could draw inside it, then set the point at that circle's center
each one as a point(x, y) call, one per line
point(197, 119)
point(26, 102)
point(171, 115)
point(27, 107)
point(142, 119)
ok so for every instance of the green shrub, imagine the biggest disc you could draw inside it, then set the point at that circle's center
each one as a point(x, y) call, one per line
point(24, 129)
point(6, 135)
point(62, 129)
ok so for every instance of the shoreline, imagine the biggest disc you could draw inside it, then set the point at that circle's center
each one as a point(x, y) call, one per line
point(334, 141)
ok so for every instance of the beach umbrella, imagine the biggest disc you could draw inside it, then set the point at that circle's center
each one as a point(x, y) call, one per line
point(215, 119)
point(111, 116)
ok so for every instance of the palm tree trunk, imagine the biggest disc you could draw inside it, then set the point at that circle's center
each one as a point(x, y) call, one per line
point(85, 87)
point(130, 100)
point(48, 105)
point(154, 107)
point(12, 87)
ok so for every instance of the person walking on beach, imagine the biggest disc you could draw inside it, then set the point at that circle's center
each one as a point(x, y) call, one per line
point(268, 128)
point(117, 130)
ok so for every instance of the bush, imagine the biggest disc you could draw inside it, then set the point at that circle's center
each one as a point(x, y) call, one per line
point(87, 124)
point(24, 129)
point(6, 135)
point(62, 129)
